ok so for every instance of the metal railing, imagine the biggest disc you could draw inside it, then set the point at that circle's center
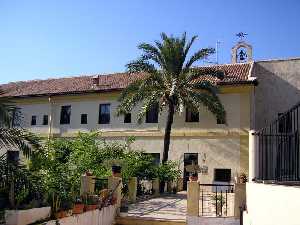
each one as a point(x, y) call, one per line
point(278, 149)
point(3, 170)
point(216, 200)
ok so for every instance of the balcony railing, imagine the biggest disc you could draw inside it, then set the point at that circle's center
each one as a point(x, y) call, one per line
point(278, 149)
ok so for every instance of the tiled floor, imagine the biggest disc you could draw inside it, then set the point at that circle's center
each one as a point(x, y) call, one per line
point(171, 207)
point(174, 207)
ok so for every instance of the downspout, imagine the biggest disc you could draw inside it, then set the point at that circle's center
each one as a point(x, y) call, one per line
point(50, 118)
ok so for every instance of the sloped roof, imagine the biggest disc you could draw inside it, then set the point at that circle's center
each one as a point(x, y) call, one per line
point(235, 74)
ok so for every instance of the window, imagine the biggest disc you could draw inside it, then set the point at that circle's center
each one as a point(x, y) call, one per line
point(65, 114)
point(16, 118)
point(104, 114)
point(155, 156)
point(192, 115)
point(152, 114)
point(223, 175)
point(220, 121)
point(127, 118)
point(285, 123)
point(83, 118)
point(33, 120)
point(45, 120)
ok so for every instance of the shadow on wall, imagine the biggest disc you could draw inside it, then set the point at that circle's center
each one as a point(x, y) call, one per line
point(277, 91)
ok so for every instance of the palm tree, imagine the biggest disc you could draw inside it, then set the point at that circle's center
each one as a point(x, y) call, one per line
point(14, 137)
point(172, 82)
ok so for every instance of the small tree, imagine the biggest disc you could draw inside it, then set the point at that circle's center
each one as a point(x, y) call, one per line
point(171, 82)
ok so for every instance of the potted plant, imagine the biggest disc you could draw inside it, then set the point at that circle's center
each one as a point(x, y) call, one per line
point(193, 169)
point(193, 176)
point(67, 205)
point(60, 214)
point(243, 178)
point(78, 206)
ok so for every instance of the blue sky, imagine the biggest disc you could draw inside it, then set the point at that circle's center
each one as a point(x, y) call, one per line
point(42, 39)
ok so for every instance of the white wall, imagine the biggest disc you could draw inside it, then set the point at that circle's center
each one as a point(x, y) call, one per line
point(28, 216)
point(269, 204)
point(197, 220)
point(105, 216)
point(237, 107)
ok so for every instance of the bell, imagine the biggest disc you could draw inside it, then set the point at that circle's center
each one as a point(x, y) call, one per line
point(242, 58)
point(242, 55)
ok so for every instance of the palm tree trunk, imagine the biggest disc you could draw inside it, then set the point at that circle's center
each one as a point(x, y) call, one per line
point(168, 132)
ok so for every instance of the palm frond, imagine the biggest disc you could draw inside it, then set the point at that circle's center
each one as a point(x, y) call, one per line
point(27, 142)
point(151, 53)
point(7, 110)
point(140, 65)
point(199, 55)
point(208, 100)
point(189, 45)
point(138, 91)
point(148, 103)
point(205, 85)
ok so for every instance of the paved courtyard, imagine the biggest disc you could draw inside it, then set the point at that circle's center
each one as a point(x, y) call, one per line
point(174, 207)
point(171, 207)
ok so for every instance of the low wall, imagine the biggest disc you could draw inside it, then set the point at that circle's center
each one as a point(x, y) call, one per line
point(105, 216)
point(269, 204)
point(196, 220)
point(23, 217)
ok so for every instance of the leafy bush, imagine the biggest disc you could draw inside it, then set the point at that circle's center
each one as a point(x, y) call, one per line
point(169, 171)
point(65, 160)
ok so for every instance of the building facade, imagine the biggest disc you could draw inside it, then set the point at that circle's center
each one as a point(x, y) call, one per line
point(63, 107)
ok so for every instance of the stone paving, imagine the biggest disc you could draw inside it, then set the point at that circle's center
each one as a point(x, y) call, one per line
point(172, 207)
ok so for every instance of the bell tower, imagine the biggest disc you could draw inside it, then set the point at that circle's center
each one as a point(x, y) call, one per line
point(242, 51)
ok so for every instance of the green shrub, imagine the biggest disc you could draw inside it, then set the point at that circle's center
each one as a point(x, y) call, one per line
point(169, 171)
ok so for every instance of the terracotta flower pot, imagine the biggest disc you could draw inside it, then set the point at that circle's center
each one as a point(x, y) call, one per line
point(88, 173)
point(78, 208)
point(60, 214)
point(90, 207)
point(193, 178)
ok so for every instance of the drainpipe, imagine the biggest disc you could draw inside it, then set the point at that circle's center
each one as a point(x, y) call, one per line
point(50, 118)
point(253, 148)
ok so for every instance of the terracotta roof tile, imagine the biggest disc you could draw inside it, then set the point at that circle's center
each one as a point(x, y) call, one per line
point(234, 74)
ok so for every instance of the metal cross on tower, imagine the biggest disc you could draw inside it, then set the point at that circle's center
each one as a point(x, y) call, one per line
point(241, 35)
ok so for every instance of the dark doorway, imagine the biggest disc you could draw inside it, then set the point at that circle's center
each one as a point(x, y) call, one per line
point(189, 158)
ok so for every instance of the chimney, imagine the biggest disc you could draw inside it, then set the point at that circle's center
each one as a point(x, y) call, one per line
point(95, 80)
